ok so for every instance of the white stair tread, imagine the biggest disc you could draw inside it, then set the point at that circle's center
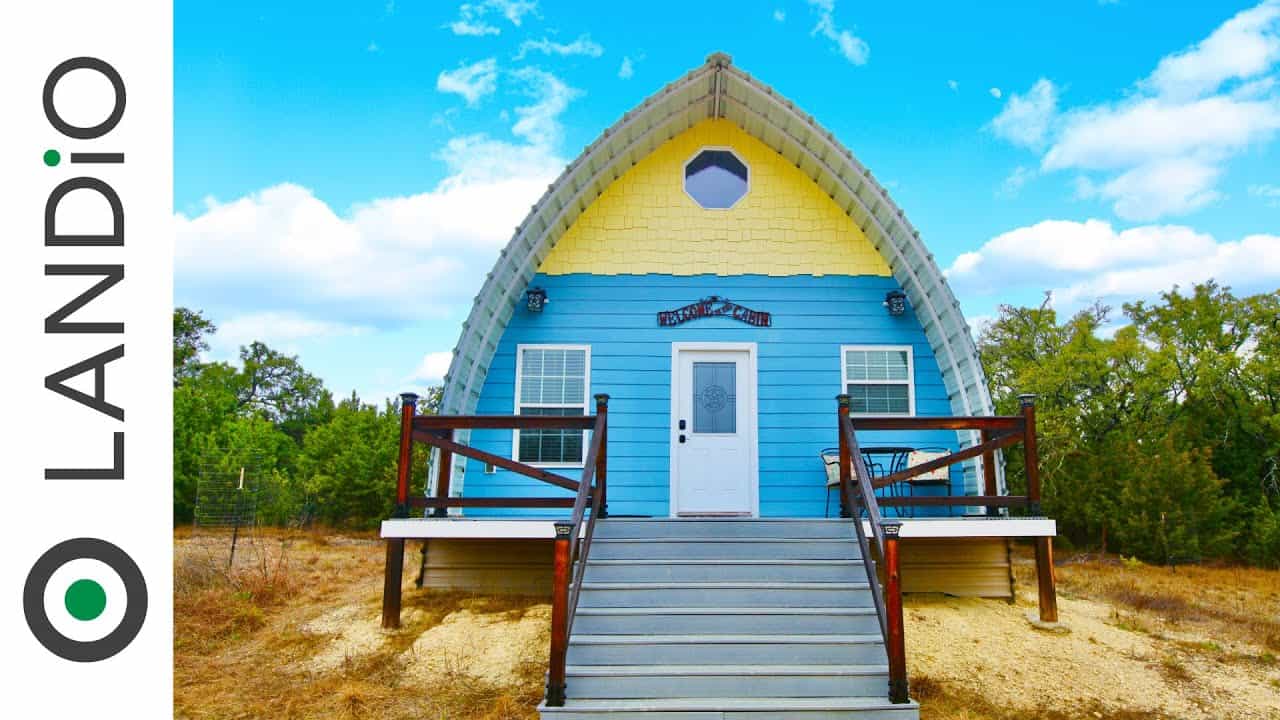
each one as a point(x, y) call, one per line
point(724, 639)
point(736, 670)
point(739, 704)
point(744, 540)
point(725, 611)
point(711, 561)
point(731, 584)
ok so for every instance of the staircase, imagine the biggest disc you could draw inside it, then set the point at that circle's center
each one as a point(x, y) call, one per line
point(733, 619)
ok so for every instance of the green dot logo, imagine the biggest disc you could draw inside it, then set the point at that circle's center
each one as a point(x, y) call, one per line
point(52, 157)
point(85, 600)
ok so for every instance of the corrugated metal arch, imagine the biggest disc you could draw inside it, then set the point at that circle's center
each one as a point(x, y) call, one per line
point(718, 89)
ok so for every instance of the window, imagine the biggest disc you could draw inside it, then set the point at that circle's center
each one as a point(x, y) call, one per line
point(879, 379)
point(716, 179)
point(551, 380)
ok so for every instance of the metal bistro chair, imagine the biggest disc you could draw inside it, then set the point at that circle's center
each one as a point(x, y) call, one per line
point(938, 477)
point(831, 462)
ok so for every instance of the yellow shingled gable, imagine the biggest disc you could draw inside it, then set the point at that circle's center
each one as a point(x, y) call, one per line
point(645, 223)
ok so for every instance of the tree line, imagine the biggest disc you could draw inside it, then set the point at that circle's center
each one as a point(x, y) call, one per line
point(1159, 439)
point(313, 458)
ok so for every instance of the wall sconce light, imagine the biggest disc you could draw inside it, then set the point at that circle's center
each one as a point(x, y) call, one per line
point(535, 299)
point(896, 302)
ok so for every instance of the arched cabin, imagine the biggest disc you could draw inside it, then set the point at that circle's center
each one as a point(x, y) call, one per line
point(722, 268)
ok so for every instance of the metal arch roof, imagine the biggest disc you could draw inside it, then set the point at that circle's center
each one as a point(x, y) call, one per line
point(718, 89)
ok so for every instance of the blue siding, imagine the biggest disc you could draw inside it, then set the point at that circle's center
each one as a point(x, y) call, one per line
point(799, 377)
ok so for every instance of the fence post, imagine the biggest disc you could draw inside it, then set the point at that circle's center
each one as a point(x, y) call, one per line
point(989, 475)
point(443, 476)
point(600, 504)
point(1045, 580)
point(1031, 455)
point(559, 616)
point(846, 460)
point(394, 570)
point(896, 640)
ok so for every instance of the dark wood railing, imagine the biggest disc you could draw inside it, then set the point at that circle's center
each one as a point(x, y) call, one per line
point(572, 537)
point(857, 491)
point(858, 494)
point(997, 433)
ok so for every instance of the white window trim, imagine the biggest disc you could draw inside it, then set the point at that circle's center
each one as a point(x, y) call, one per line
point(586, 402)
point(910, 382)
point(684, 168)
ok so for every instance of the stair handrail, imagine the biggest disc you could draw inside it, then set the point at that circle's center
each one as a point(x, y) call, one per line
point(888, 603)
point(572, 546)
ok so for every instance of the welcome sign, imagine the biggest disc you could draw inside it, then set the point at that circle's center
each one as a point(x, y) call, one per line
point(714, 306)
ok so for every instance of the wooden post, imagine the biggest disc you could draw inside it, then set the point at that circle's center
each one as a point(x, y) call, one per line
point(1031, 453)
point(600, 505)
point(559, 616)
point(896, 641)
point(989, 474)
point(846, 460)
point(408, 408)
point(443, 476)
point(394, 570)
point(1045, 580)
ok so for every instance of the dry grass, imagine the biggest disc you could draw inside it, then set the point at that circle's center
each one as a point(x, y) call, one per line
point(291, 633)
point(245, 641)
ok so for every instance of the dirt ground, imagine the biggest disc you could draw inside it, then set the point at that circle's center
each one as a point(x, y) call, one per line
point(293, 632)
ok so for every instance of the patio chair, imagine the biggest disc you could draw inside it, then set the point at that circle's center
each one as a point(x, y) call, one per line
point(938, 477)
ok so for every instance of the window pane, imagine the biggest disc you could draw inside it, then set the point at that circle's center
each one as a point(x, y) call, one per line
point(879, 399)
point(876, 365)
point(716, 179)
point(715, 397)
point(551, 446)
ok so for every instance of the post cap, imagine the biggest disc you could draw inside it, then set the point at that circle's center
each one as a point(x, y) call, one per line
point(564, 529)
point(408, 398)
point(602, 398)
point(1027, 399)
point(891, 528)
point(842, 400)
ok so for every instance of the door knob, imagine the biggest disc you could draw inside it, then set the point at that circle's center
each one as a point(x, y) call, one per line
point(682, 437)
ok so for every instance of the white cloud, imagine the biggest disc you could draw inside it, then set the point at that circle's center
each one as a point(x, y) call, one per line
point(1162, 149)
point(1245, 46)
point(850, 46)
point(539, 123)
point(955, 86)
point(1013, 182)
point(472, 16)
point(1269, 193)
point(1084, 261)
point(473, 82)
point(433, 367)
point(282, 250)
point(1025, 118)
point(584, 45)
point(780, 15)
point(995, 93)
point(281, 330)
point(373, 47)
point(626, 70)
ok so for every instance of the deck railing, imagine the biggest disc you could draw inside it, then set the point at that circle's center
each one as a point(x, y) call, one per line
point(572, 537)
point(997, 433)
point(857, 492)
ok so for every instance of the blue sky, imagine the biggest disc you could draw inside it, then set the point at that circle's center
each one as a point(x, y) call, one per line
point(346, 172)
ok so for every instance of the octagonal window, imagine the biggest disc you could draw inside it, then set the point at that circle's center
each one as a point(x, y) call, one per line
point(716, 179)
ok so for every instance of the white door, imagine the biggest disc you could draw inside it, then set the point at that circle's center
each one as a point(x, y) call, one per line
point(713, 431)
